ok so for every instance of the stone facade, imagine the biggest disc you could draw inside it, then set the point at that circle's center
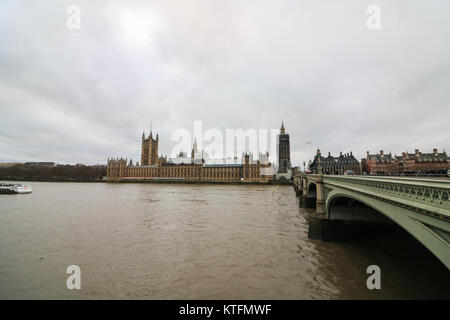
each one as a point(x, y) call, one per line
point(407, 163)
point(335, 165)
point(158, 168)
point(149, 150)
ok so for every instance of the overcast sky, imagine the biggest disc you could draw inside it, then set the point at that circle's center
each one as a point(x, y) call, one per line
point(84, 95)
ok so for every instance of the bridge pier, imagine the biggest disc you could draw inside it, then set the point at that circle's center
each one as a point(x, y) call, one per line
point(320, 193)
point(319, 226)
point(305, 200)
point(298, 185)
point(297, 189)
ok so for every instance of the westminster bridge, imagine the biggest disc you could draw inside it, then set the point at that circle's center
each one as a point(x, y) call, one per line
point(419, 206)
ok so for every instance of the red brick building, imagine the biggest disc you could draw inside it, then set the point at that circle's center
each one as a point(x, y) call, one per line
point(407, 163)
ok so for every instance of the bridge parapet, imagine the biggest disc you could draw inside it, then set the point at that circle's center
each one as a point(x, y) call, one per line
point(428, 195)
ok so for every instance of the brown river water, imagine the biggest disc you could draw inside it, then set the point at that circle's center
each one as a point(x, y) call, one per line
point(176, 241)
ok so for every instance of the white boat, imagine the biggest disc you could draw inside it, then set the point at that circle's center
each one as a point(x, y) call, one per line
point(11, 188)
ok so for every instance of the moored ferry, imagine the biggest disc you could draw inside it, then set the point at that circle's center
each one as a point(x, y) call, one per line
point(11, 188)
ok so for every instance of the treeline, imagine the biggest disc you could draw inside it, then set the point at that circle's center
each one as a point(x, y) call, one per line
point(53, 173)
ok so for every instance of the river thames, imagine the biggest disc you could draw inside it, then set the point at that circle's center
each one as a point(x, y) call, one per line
point(181, 241)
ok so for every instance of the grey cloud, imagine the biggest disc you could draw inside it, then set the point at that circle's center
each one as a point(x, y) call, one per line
point(81, 96)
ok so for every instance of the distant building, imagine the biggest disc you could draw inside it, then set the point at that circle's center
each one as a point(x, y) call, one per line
point(407, 163)
point(284, 155)
point(284, 151)
point(193, 168)
point(379, 163)
point(335, 165)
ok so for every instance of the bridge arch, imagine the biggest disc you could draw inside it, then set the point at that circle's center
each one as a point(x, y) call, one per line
point(363, 210)
point(424, 228)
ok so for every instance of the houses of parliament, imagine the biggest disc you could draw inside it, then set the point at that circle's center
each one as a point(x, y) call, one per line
point(194, 168)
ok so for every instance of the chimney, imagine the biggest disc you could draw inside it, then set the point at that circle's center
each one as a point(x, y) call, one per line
point(403, 154)
point(368, 155)
point(381, 152)
point(329, 154)
point(435, 151)
point(340, 154)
